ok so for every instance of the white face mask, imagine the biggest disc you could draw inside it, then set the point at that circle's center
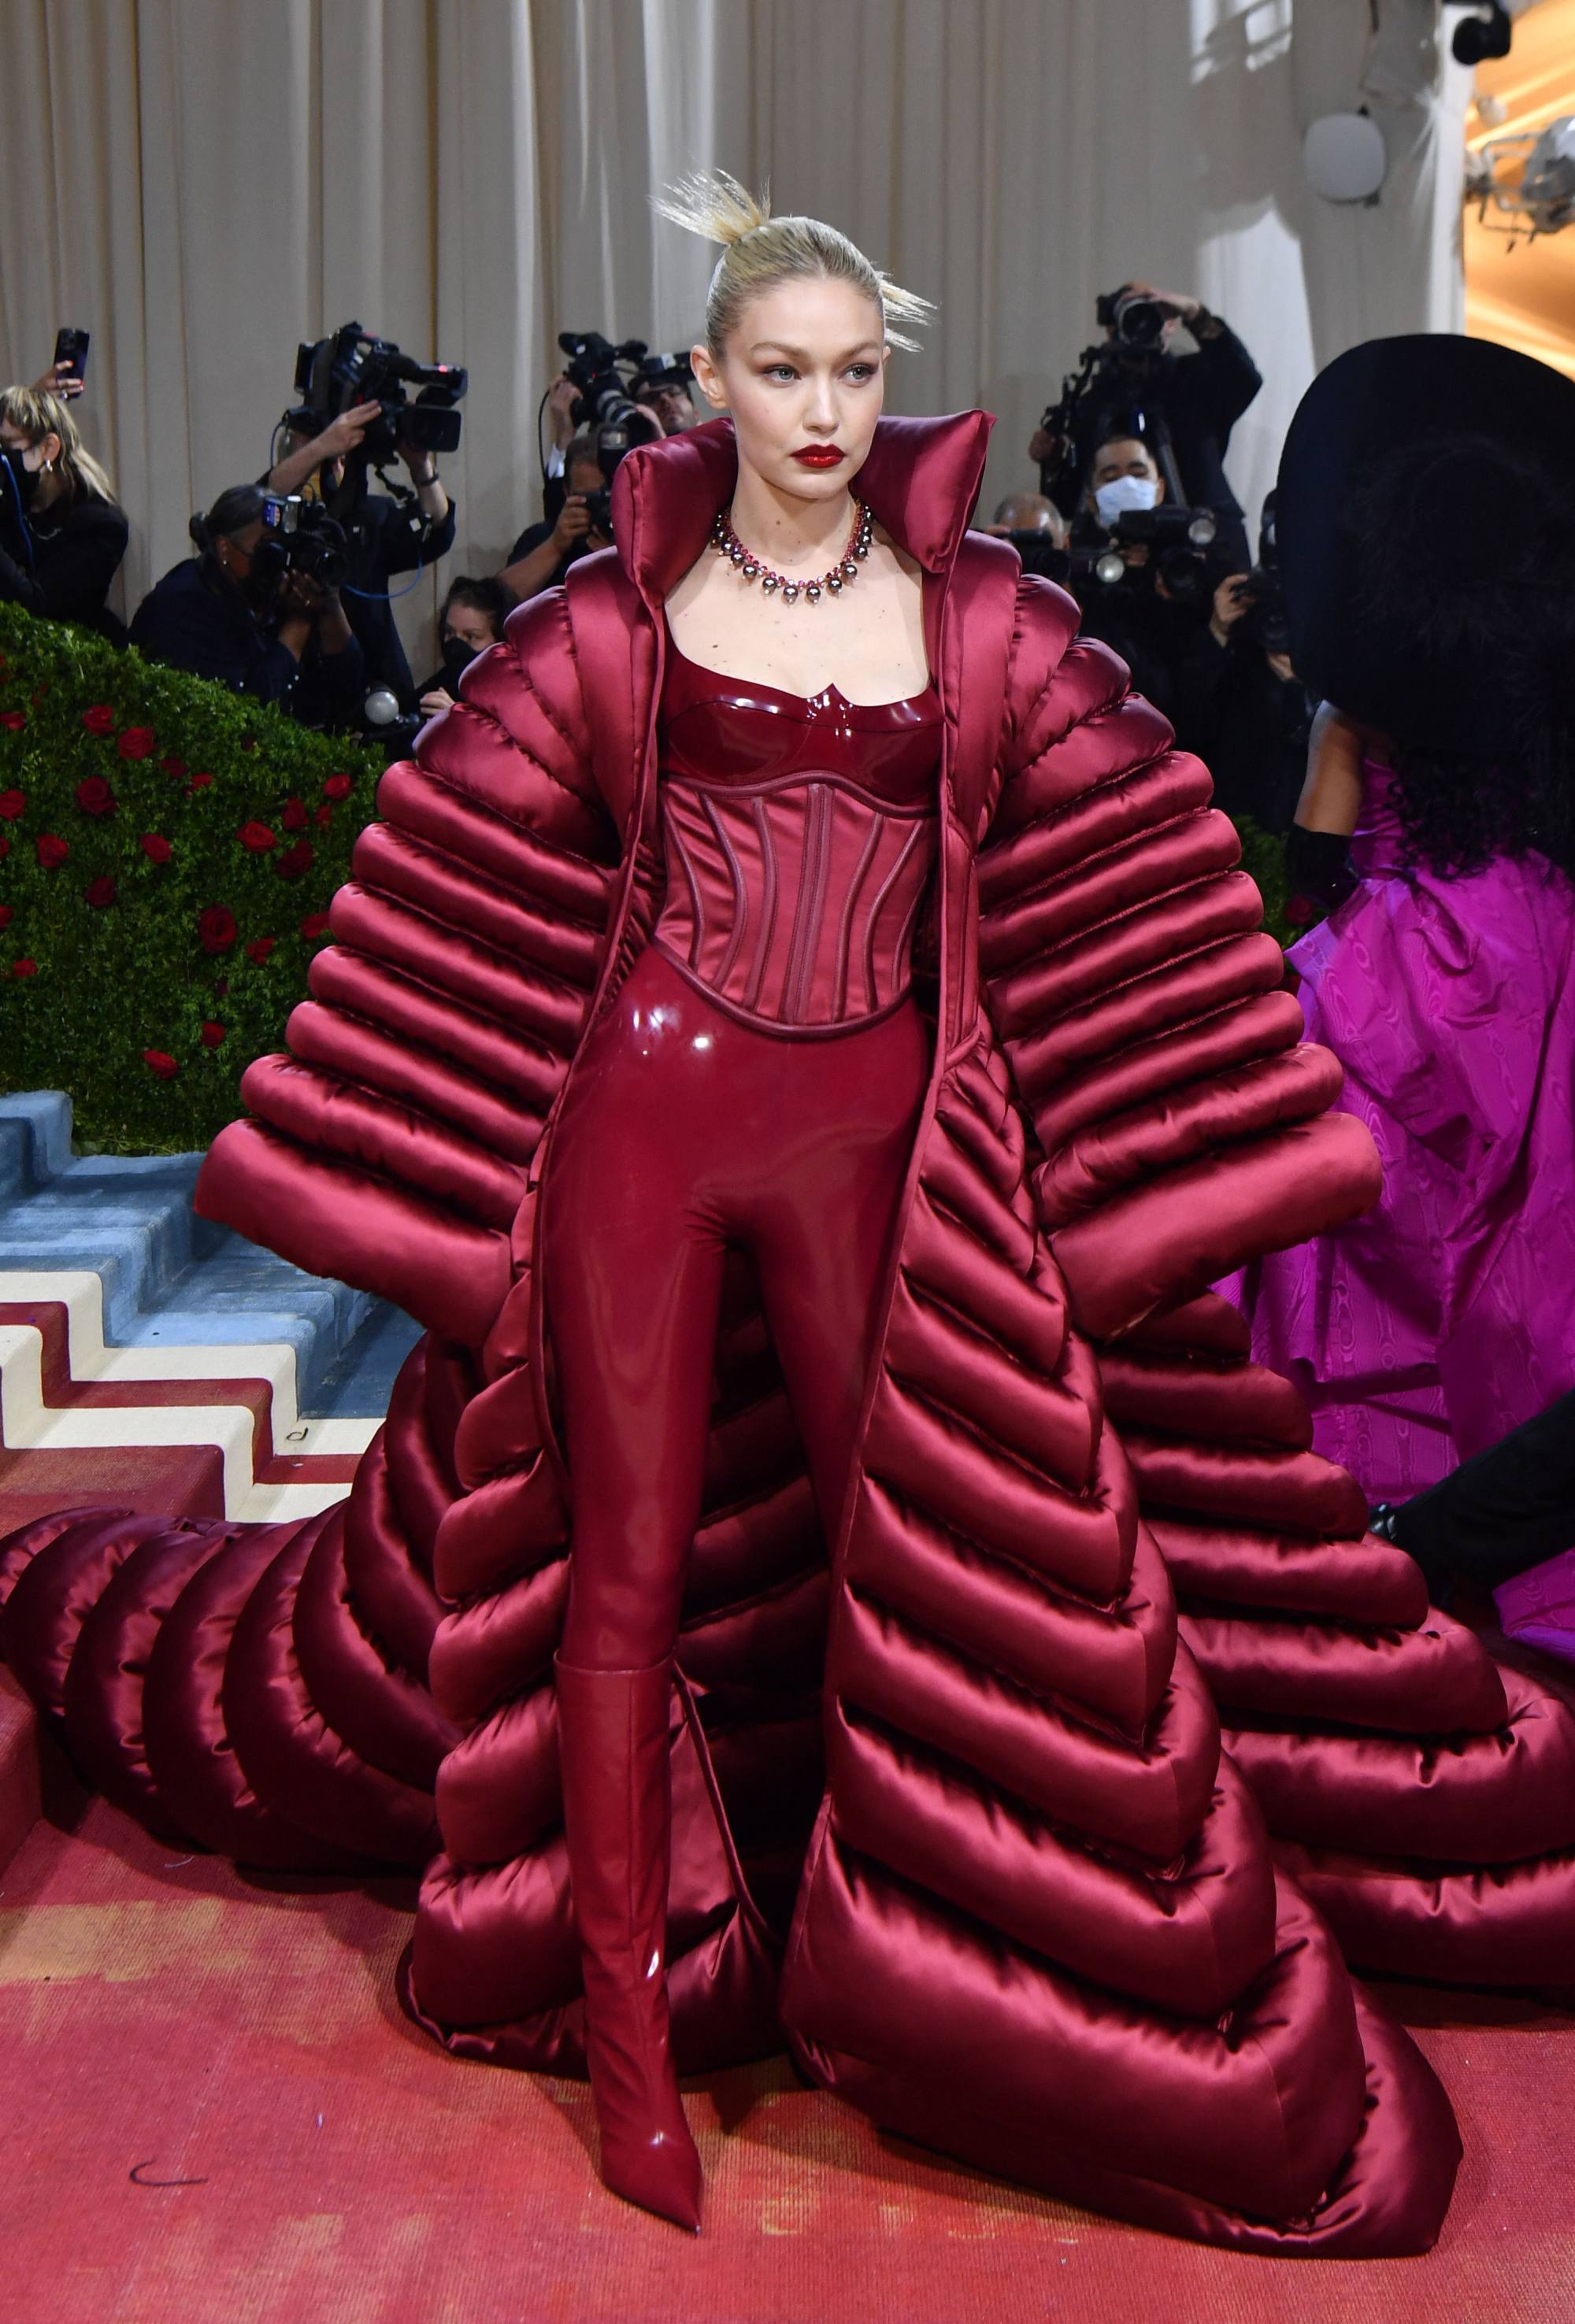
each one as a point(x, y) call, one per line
point(1124, 493)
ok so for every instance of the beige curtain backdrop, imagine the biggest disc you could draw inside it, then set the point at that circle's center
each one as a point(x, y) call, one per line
point(202, 183)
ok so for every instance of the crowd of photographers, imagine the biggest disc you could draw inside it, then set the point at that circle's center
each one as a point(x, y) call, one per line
point(289, 594)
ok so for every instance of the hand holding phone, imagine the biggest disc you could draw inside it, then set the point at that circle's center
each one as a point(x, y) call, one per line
point(69, 367)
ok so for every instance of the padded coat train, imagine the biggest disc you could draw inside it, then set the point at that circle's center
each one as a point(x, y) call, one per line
point(949, 1801)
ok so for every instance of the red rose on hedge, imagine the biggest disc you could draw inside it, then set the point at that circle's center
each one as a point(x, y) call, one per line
point(99, 891)
point(5, 916)
point(154, 846)
point(323, 818)
point(24, 968)
point(174, 768)
point(336, 787)
point(200, 782)
point(100, 719)
point(215, 928)
point(295, 860)
point(15, 720)
point(136, 743)
point(257, 837)
point(260, 947)
point(51, 852)
point(159, 1061)
point(13, 803)
point(94, 796)
point(316, 924)
point(294, 815)
point(212, 1034)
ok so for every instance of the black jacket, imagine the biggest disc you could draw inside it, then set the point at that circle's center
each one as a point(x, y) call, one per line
point(389, 538)
point(205, 626)
point(1249, 726)
point(75, 555)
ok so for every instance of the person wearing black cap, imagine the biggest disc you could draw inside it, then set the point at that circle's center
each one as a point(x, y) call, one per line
point(1427, 544)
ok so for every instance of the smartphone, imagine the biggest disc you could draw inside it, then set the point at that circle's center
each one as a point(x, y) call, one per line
point(71, 351)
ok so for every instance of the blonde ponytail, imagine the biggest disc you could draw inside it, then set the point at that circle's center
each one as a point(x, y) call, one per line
point(760, 251)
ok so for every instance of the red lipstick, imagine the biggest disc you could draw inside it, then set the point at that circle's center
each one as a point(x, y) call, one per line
point(820, 455)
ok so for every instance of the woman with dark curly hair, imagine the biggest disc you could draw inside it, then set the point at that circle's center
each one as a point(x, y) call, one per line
point(1437, 820)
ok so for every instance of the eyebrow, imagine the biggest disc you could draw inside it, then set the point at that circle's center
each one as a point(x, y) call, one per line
point(799, 355)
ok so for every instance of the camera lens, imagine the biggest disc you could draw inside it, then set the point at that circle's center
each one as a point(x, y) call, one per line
point(1140, 322)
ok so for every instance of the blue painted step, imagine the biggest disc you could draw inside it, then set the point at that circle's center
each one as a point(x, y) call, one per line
point(169, 1275)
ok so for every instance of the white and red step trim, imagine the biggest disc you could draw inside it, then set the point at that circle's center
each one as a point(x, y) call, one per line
point(209, 1430)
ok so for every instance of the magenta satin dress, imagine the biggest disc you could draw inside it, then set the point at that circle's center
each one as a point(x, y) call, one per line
point(1424, 1331)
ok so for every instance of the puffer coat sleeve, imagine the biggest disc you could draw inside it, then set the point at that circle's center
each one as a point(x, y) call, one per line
point(1181, 1117)
point(390, 1146)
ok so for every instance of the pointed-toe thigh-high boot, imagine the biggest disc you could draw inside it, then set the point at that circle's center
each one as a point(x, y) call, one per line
point(614, 1746)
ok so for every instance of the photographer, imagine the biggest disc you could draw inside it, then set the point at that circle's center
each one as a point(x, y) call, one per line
point(1188, 404)
point(230, 613)
point(1148, 616)
point(665, 395)
point(559, 401)
point(1239, 703)
point(472, 618)
point(62, 535)
point(384, 536)
point(1037, 530)
point(544, 552)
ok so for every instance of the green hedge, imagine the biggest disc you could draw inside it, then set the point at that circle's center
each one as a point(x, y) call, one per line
point(168, 851)
point(1264, 856)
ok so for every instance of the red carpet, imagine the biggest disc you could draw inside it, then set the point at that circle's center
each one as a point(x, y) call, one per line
point(168, 2018)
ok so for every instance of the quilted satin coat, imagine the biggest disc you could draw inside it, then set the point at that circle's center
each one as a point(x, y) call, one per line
point(951, 1804)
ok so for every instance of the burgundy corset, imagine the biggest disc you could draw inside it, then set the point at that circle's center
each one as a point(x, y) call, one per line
point(800, 836)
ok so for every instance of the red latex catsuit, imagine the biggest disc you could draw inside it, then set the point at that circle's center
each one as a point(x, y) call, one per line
point(756, 1086)
point(1042, 1922)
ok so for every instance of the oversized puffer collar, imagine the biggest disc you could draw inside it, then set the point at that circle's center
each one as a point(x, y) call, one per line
point(921, 479)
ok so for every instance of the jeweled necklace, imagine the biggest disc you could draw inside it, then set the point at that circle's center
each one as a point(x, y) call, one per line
point(750, 567)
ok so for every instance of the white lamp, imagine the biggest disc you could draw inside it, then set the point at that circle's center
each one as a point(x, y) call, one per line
point(1343, 156)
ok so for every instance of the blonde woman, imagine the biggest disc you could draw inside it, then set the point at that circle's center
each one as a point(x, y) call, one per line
point(62, 534)
point(799, 1041)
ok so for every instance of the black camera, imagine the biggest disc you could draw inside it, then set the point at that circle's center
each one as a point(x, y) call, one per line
point(298, 536)
point(350, 368)
point(1134, 319)
point(1177, 540)
point(605, 375)
point(671, 370)
point(1264, 623)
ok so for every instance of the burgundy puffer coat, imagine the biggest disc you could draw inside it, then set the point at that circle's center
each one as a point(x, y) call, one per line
point(966, 1761)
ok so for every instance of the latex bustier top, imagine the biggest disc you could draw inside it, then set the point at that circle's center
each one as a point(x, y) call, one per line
point(800, 835)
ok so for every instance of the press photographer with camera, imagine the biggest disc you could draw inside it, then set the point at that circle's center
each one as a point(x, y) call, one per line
point(473, 613)
point(1239, 703)
point(354, 417)
point(663, 390)
point(1184, 405)
point(618, 392)
point(544, 552)
point(1143, 571)
point(62, 533)
point(1037, 530)
point(258, 608)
